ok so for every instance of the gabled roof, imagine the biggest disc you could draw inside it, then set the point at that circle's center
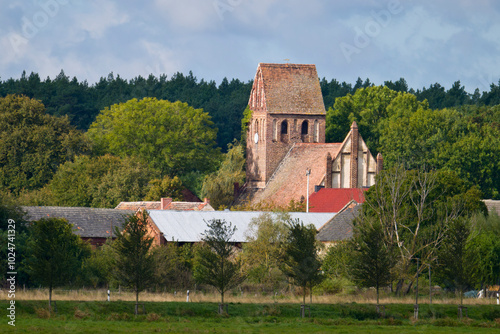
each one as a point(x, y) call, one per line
point(492, 205)
point(188, 226)
point(288, 89)
point(289, 180)
point(134, 206)
point(339, 227)
point(334, 199)
point(87, 222)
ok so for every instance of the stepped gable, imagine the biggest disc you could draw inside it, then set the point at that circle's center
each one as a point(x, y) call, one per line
point(289, 89)
point(290, 180)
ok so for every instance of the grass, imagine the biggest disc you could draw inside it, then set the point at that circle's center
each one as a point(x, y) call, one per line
point(179, 317)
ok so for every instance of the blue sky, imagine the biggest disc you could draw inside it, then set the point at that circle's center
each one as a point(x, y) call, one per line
point(423, 41)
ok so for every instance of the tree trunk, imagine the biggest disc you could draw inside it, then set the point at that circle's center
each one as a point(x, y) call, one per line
point(377, 296)
point(50, 299)
point(304, 295)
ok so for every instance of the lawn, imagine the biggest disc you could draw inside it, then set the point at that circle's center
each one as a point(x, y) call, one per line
point(179, 317)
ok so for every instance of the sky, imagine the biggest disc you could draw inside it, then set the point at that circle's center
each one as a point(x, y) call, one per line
point(425, 41)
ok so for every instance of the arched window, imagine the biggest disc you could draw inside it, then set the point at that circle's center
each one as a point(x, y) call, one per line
point(284, 127)
point(305, 128)
point(316, 131)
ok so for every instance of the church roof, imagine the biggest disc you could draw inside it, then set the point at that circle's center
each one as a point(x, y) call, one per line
point(334, 199)
point(288, 89)
point(289, 180)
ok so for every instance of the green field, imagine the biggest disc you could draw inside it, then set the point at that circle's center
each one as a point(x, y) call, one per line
point(177, 317)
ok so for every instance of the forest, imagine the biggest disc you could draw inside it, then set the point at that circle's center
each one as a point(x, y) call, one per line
point(61, 144)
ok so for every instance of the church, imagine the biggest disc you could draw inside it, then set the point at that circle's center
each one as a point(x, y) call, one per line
point(287, 157)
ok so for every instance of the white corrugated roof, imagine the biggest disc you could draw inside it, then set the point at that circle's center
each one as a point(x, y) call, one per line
point(188, 226)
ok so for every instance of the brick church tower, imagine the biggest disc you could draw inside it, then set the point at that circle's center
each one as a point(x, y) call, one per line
point(287, 108)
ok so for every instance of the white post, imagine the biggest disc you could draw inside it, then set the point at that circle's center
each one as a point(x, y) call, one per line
point(109, 294)
point(308, 172)
point(187, 298)
point(498, 298)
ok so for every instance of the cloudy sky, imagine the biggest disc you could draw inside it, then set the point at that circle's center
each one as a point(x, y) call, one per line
point(423, 41)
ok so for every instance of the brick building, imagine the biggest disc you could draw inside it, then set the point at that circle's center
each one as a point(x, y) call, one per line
point(286, 138)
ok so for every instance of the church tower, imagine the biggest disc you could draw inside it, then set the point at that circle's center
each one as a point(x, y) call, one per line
point(287, 108)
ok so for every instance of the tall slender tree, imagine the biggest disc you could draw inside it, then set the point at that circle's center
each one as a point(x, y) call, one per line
point(134, 262)
point(215, 263)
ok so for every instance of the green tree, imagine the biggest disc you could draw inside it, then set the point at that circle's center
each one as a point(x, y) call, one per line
point(102, 181)
point(262, 252)
point(33, 144)
point(215, 263)
point(456, 257)
point(135, 265)
point(171, 137)
point(414, 209)
point(372, 258)
point(98, 267)
point(219, 186)
point(300, 259)
point(174, 268)
point(56, 253)
point(166, 187)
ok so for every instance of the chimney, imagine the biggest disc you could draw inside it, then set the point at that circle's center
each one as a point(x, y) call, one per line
point(380, 162)
point(328, 179)
point(165, 203)
point(354, 155)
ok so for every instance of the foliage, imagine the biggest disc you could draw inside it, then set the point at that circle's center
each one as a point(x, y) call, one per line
point(215, 263)
point(219, 186)
point(372, 258)
point(33, 144)
point(456, 257)
point(485, 245)
point(102, 181)
point(165, 187)
point(337, 259)
point(173, 138)
point(266, 236)
point(55, 253)
point(414, 209)
point(300, 259)
point(134, 266)
point(97, 269)
point(245, 123)
point(174, 268)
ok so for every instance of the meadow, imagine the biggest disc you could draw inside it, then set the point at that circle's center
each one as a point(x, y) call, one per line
point(85, 311)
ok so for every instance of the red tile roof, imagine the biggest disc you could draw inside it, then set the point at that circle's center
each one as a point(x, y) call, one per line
point(291, 89)
point(334, 199)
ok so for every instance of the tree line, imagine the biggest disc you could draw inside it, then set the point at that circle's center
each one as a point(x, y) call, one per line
point(129, 149)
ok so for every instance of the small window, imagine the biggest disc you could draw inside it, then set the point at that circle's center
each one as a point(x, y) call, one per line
point(284, 127)
point(305, 128)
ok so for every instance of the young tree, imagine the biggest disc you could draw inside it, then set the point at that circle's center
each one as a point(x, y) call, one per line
point(56, 253)
point(372, 257)
point(300, 259)
point(264, 247)
point(135, 264)
point(456, 256)
point(215, 263)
